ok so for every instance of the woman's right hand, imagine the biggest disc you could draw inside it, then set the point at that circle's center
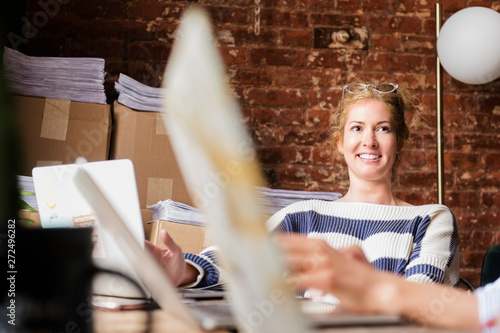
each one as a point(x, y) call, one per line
point(170, 258)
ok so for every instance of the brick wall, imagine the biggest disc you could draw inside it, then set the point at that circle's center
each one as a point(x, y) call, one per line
point(288, 80)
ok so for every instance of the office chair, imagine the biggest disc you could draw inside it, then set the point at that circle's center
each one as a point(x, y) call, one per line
point(490, 270)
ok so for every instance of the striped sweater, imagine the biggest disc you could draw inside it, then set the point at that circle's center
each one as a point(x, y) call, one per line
point(418, 242)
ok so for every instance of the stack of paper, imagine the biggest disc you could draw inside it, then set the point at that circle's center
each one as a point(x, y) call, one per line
point(27, 192)
point(174, 211)
point(138, 96)
point(273, 199)
point(77, 79)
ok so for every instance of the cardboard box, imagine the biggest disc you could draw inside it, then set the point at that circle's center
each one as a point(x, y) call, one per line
point(141, 137)
point(190, 238)
point(29, 220)
point(53, 131)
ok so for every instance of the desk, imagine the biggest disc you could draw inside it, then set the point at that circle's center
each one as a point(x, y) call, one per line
point(134, 321)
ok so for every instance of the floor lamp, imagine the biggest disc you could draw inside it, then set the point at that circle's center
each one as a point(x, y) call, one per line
point(468, 49)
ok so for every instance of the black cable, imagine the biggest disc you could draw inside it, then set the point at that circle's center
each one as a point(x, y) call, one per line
point(149, 318)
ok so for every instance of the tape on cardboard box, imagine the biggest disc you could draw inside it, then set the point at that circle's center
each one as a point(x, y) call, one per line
point(159, 189)
point(48, 163)
point(55, 119)
point(161, 129)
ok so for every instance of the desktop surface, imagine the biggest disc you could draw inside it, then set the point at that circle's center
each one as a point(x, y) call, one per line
point(156, 321)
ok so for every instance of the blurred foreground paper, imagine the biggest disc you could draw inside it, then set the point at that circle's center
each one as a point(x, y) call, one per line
point(217, 160)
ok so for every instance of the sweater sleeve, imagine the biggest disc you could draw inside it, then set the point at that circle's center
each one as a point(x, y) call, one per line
point(210, 273)
point(488, 300)
point(434, 257)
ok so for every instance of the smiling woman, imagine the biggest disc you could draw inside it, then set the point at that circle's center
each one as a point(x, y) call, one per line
point(416, 242)
point(370, 128)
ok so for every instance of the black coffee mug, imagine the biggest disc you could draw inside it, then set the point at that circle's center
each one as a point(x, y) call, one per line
point(53, 280)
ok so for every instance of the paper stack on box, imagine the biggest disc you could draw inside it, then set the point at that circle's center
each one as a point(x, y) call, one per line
point(77, 79)
point(273, 199)
point(137, 95)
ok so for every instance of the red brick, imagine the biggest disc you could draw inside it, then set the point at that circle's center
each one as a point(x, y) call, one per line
point(338, 58)
point(464, 199)
point(245, 37)
point(148, 50)
point(396, 62)
point(427, 180)
point(283, 18)
point(412, 43)
point(297, 38)
point(318, 118)
point(264, 116)
point(148, 73)
point(233, 56)
point(322, 155)
point(384, 42)
point(301, 136)
point(295, 78)
point(164, 31)
point(374, 5)
point(250, 76)
point(149, 11)
point(291, 117)
point(472, 258)
point(275, 97)
point(394, 23)
point(490, 200)
point(122, 29)
point(463, 239)
point(488, 219)
point(489, 104)
point(93, 48)
point(296, 155)
point(492, 160)
point(461, 161)
point(230, 15)
point(335, 20)
point(272, 155)
point(325, 99)
point(266, 137)
point(277, 57)
point(476, 141)
point(482, 240)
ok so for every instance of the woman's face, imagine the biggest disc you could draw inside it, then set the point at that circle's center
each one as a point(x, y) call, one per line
point(369, 144)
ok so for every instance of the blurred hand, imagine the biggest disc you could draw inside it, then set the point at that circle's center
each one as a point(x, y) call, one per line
point(345, 273)
point(170, 258)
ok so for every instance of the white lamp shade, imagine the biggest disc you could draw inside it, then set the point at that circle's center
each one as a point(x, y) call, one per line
point(469, 45)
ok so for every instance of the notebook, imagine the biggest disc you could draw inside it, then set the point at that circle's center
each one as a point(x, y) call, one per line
point(61, 205)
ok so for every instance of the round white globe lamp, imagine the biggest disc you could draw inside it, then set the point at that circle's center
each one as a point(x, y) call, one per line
point(468, 45)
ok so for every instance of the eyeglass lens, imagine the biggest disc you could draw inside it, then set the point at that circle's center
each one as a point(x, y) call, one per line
point(356, 88)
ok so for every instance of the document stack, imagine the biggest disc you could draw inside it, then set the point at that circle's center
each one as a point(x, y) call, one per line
point(77, 79)
point(27, 192)
point(274, 200)
point(137, 95)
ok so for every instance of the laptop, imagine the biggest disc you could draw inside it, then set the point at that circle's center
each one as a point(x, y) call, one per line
point(61, 205)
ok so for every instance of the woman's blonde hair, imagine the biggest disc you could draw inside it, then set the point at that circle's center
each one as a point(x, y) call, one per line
point(398, 102)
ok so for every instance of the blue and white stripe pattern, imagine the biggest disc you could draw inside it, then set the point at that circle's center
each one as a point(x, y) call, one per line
point(418, 242)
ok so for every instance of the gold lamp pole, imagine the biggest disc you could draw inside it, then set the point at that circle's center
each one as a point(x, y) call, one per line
point(439, 114)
